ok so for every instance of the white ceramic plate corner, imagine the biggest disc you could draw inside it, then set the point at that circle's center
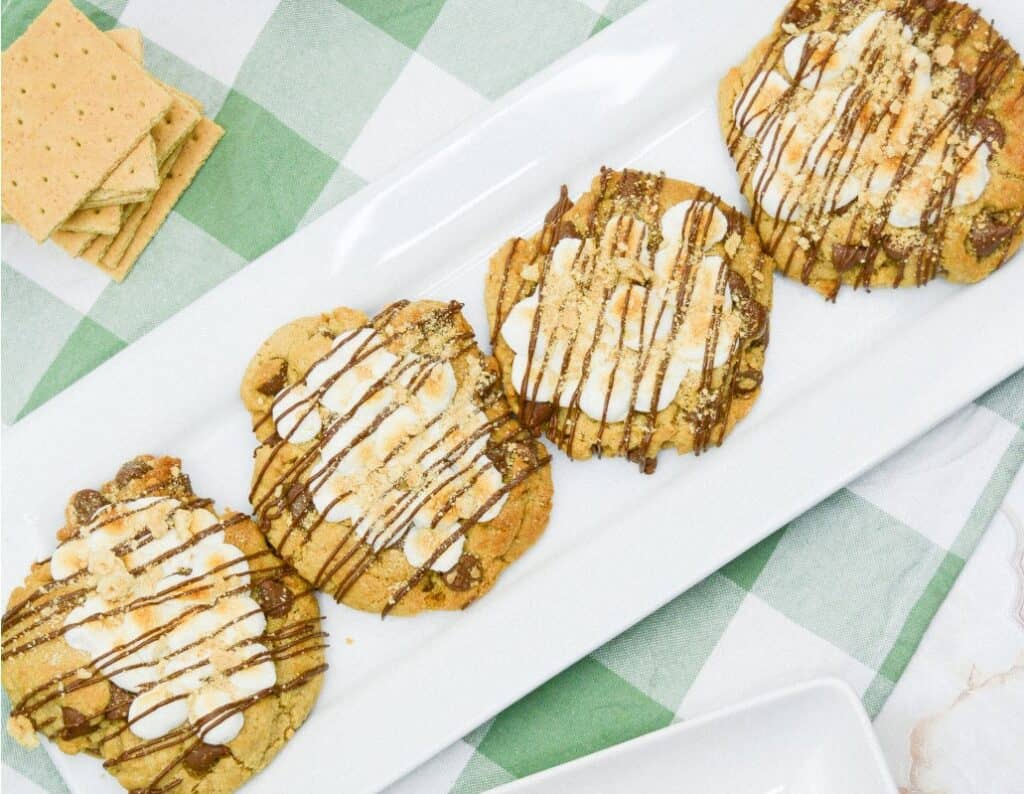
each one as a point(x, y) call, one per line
point(805, 739)
point(642, 93)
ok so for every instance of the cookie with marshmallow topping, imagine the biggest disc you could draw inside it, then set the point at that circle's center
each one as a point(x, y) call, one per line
point(391, 472)
point(880, 143)
point(636, 319)
point(163, 637)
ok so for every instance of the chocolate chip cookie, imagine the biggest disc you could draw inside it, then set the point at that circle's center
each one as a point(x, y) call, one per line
point(880, 142)
point(163, 637)
point(390, 471)
point(636, 319)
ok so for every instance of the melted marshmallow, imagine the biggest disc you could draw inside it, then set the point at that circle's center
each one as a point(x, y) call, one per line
point(159, 632)
point(635, 346)
point(801, 147)
point(400, 463)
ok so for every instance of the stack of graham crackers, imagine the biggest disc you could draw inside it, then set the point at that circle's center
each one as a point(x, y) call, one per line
point(96, 151)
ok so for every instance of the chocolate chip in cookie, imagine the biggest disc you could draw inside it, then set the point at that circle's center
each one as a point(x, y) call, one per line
point(75, 723)
point(201, 758)
point(467, 573)
point(132, 470)
point(274, 596)
point(85, 503)
point(120, 702)
point(989, 233)
point(274, 377)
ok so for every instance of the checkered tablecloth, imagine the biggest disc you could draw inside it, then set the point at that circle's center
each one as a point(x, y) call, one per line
point(321, 97)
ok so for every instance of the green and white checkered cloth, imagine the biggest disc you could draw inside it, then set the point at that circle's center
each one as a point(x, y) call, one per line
point(320, 97)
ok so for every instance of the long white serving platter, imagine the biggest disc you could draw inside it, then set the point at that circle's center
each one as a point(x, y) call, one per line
point(846, 385)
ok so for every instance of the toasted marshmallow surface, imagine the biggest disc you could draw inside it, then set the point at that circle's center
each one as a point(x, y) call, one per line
point(604, 329)
point(401, 448)
point(170, 619)
point(846, 115)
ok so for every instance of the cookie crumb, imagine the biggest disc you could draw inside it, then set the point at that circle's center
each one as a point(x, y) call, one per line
point(637, 273)
point(349, 641)
point(103, 562)
point(24, 732)
point(943, 55)
point(790, 28)
point(732, 244)
point(116, 586)
point(531, 272)
point(225, 659)
point(803, 242)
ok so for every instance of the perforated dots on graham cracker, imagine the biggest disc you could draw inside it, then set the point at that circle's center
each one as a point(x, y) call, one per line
point(94, 217)
point(107, 254)
point(96, 151)
point(74, 106)
point(101, 220)
point(137, 177)
point(177, 123)
point(193, 153)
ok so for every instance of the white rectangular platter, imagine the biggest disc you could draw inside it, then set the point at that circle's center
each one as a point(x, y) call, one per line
point(806, 739)
point(845, 386)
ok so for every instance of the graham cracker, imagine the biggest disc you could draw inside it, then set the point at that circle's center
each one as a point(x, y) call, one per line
point(72, 242)
point(96, 250)
point(129, 40)
point(136, 177)
point(194, 152)
point(179, 121)
point(133, 215)
point(137, 173)
point(119, 242)
point(194, 102)
point(120, 199)
point(74, 106)
point(102, 220)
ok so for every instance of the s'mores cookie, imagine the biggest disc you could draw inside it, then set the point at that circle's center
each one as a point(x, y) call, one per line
point(880, 142)
point(390, 471)
point(636, 319)
point(162, 636)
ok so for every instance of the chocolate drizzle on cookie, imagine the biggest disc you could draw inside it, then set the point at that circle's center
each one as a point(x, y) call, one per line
point(427, 472)
point(931, 154)
point(613, 261)
point(41, 617)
